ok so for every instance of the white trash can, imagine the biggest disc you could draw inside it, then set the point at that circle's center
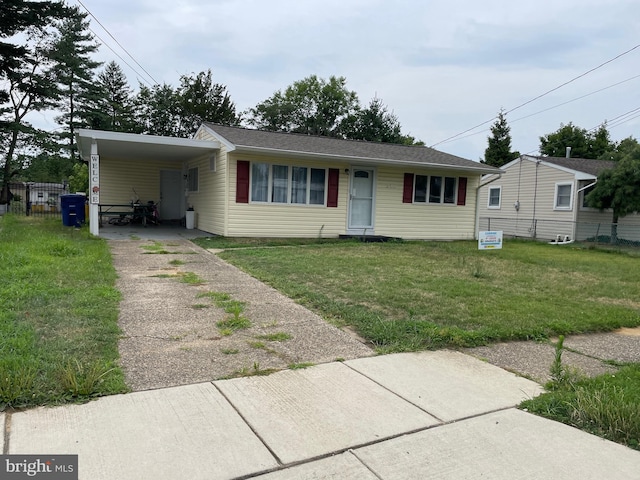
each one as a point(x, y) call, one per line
point(190, 219)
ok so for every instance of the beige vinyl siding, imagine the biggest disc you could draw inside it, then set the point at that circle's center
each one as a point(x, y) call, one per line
point(592, 222)
point(204, 133)
point(417, 220)
point(276, 220)
point(119, 178)
point(536, 199)
point(208, 202)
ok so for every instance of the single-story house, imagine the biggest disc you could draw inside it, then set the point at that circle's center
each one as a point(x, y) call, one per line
point(543, 197)
point(250, 183)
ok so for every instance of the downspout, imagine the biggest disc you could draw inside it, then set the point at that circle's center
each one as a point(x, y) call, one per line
point(477, 221)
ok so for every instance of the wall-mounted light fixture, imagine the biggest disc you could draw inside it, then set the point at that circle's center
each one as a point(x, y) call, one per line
point(346, 170)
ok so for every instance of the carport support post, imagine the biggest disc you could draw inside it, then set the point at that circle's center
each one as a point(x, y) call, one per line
point(94, 190)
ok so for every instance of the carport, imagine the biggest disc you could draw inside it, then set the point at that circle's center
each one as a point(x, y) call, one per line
point(122, 165)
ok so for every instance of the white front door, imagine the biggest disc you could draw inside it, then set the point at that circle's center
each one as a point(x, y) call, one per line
point(171, 195)
point(361, 199)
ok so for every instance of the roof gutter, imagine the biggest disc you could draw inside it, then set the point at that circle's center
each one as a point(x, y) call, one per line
point(360, 160)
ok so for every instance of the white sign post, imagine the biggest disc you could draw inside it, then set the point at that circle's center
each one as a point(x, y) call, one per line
point(490, 240)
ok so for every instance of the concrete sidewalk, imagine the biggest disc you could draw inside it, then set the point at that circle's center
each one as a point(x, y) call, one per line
point(421, 415)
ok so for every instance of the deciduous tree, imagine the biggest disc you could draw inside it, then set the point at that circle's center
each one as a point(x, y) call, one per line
point(312, 106)
point(617, 188)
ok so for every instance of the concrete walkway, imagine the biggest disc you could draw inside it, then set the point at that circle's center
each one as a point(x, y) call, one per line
point(405, 416)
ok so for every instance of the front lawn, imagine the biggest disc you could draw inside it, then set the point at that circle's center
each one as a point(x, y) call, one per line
point(405, 296)
point(58, 314)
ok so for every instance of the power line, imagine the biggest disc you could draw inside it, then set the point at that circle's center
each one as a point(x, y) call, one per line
point(541, 95)
point(118, 43)
point(551, 108)
point(122, 59)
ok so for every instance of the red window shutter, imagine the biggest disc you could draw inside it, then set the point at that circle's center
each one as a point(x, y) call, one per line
point(407, 192)
point(462, 190)
point(332, 194)
point(242, 182)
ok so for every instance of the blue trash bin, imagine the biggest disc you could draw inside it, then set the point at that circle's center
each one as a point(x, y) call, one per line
point(72, 206)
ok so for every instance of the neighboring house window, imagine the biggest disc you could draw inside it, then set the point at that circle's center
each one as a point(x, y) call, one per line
point(495, 194)
point(192, 179)
point(286, 184)
point(563, 196)
point(435, 189)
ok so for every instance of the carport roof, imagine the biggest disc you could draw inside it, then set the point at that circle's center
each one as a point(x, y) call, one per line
point(142, 147)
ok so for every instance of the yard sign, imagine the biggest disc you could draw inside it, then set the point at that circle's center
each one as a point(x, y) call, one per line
point(490, 240)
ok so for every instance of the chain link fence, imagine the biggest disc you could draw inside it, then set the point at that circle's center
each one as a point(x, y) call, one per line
point(619, 234)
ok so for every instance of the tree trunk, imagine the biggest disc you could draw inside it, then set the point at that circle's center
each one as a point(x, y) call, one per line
point(614, 229)
point(5, 196)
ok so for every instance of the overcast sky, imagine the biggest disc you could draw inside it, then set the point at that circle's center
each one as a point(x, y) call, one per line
point(441, 66)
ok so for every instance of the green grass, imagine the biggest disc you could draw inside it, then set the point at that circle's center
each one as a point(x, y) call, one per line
point(275, 337)
point(404, 296)
point(58, 314)
point(608, 405)
point(225, 242)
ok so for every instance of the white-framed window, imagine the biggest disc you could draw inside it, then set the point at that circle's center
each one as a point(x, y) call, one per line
point(563, 196)
point(192, 179)
point(434, 189)
point(495, 197)
point(285, 184)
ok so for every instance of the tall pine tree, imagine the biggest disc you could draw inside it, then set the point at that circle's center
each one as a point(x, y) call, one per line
point(499, 153)
point(113, 109)
point(75, 74)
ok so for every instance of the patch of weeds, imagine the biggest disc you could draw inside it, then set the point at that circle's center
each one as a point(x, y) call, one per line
point(561, 375)
point(155, 247)
point(199, 306)
point(176, 262)
point(234, 307)
point(340, 359)
point(16, 382)
point(215, 296)
point(191, 278)
point(252, 371)
point(229, 351)
point(606, 405)
point(134, 237)
point(275, 337)
point(82, 380)
point(233, 324)
point(225, 332)
point(300, 366)
point(164, 275)
point(257, 345)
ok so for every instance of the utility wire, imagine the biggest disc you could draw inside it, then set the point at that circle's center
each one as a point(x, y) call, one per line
point(140, 77)
point(118, 43)
point(550, 108)
point(541, 95)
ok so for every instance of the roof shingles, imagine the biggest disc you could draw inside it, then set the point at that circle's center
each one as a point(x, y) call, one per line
point(348, 149)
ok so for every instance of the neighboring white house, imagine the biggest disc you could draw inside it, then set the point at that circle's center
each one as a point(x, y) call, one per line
point(251, 183)
point(542, 197)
